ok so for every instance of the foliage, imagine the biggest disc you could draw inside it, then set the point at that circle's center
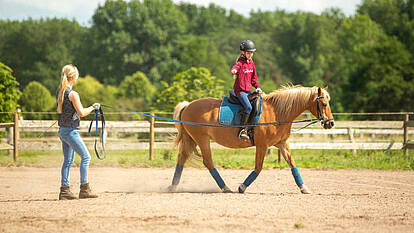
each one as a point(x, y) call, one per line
point(138, 90)
point(134, 35)
point(9, 93)
point(396, 17)
point(92, 91)
point(192, 84)
point(36, 98)
point(306, 48)
point(378, 70)
point(137, 85)
point(201, 52)
point(37, 50)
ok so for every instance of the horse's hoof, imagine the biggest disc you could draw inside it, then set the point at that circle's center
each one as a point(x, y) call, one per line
point(242, 188)
point(172, 188)
point(226, 189)
point(304, 189)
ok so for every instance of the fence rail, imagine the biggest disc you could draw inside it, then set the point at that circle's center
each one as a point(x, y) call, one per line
point(352, 135)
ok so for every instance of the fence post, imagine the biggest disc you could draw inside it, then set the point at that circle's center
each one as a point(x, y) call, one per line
point(269, 151)
point(406, 119)
point(351, 138)
point(278, 156)
point(16, 135)
point(9, 138)
point(152, 135)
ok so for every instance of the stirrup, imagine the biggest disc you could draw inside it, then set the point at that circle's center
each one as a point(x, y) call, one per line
point(243, 134)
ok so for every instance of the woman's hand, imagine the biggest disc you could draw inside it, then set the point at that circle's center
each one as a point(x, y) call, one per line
point(96, 106)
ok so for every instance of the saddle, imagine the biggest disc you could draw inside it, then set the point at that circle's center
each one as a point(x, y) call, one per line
point(231, 108)
point(255, 100)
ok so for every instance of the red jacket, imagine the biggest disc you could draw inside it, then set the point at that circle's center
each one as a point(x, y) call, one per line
point(246, 75)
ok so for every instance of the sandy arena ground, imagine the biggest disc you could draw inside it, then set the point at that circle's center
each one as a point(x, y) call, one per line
point(136, 200)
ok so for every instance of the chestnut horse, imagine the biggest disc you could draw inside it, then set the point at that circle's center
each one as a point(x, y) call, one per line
point(282, 105)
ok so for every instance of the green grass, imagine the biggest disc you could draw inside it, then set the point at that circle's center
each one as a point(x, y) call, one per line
point(236, 159)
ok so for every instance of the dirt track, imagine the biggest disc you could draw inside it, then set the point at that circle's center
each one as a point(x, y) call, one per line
point(136, 200)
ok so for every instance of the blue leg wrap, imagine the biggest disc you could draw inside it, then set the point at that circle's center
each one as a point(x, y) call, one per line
point(177, 174)
point(217, 178)
point(296, 175)
point(250, 178)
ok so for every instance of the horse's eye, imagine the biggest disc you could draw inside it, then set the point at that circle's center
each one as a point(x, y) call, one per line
point(323, 104)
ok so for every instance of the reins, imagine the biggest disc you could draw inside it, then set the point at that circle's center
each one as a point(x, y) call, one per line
point(98, 114)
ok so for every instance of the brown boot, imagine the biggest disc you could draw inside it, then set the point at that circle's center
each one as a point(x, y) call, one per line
point(66, 194)
point(85, 191)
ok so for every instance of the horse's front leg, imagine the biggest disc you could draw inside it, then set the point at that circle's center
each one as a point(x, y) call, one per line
point(285, 151)
point(260, 154)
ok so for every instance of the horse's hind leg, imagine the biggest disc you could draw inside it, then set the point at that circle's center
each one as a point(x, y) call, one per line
point(285, 151)
point(260, 154)
point(177, 176)
point(208, 162)
point(182, 158)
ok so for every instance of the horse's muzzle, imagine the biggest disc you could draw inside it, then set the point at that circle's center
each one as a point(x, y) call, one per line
point(328, 123)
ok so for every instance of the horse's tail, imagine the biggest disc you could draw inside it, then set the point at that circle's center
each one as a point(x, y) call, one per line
point(184, 142)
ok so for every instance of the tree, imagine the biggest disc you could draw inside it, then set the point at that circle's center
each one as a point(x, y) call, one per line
point(384, 81)
point(305, 48)
point(377, 74)
point(396, 17)
point(9, 93)
point(38, 49)
point(36, 98)
point(137, 91)
point(199, 51)
point(192, 84)
point(92, 91)
point(135, 35)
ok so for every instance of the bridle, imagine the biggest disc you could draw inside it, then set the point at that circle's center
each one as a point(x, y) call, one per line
point(319, 114)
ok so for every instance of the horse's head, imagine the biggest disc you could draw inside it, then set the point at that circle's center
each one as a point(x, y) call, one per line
point(320, 108)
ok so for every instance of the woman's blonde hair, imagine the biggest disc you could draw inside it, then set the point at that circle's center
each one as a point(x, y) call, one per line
point(68, 72)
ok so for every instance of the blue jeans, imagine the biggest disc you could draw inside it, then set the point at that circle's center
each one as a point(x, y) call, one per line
point(71, 143)
point(244, 100)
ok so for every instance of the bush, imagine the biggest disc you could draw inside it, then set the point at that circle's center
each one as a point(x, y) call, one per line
point(9, 93)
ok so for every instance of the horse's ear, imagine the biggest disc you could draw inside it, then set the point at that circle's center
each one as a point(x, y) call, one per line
point(319, 91)
point(326, 88)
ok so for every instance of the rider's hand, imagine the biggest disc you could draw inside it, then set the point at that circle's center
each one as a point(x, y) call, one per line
point(96, 106)
point(234, 71)
point(258, 90)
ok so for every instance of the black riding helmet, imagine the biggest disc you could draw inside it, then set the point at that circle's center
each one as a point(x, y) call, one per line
point(247, 46)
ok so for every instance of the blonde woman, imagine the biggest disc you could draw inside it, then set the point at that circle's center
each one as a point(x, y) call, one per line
point(70, 110)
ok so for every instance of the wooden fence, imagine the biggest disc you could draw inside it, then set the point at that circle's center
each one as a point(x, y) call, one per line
point(408, 144)
point(13, 135)
point(124, 135)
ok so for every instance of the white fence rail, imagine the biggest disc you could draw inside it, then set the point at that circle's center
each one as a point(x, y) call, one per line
point(354, 135)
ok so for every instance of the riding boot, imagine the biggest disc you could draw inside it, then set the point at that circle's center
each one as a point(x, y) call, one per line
point(244, 118)
point(85, 191)
point(66, 194)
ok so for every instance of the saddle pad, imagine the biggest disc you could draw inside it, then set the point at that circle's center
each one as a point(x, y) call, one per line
point(229, 113)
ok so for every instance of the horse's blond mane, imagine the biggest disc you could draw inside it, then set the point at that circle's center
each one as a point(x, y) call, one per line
point(290, 98)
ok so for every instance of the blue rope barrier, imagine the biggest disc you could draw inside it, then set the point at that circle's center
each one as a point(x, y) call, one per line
point(210, 125)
